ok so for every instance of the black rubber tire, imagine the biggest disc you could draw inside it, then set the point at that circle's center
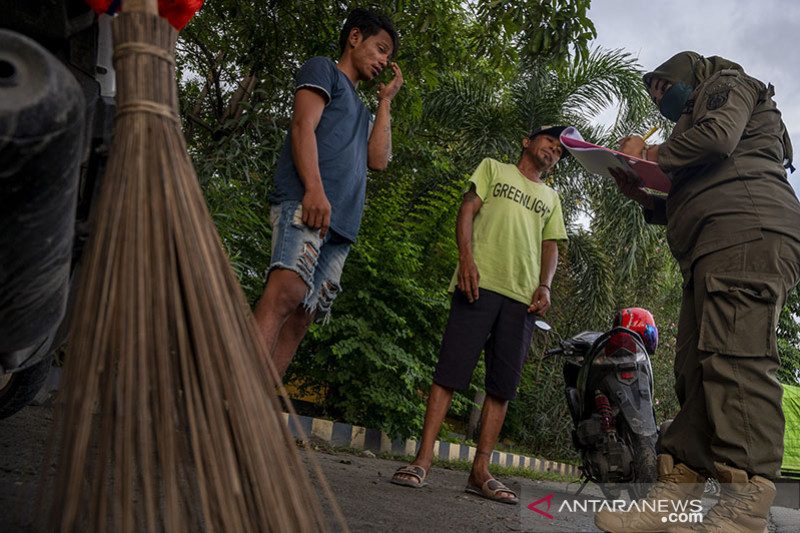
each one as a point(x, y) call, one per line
point(21, 387)
point(661, 430)
point(644, 465)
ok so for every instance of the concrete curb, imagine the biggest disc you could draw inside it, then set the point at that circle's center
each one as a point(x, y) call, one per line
point(338, 434)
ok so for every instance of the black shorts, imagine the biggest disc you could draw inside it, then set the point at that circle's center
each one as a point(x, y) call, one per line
point(496, 323)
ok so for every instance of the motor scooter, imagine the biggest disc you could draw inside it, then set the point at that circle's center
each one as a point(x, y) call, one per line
point(608, 387)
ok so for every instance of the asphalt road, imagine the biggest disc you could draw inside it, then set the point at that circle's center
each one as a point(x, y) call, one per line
point(361, 485)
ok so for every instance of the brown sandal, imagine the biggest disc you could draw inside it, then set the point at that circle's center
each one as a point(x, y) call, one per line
point(491, 490)
point(413, 471)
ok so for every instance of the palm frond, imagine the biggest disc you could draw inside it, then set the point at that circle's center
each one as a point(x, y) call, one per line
point(590, 271)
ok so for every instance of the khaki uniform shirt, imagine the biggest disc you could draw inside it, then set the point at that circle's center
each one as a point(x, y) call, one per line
point(725, 156)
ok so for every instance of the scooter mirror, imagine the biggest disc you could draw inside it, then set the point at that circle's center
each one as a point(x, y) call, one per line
point(542, 325)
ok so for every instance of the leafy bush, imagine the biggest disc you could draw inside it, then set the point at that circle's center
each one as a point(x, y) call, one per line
point(376, 356)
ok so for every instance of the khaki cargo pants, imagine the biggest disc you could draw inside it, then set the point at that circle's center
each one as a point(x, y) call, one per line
point(727, 357)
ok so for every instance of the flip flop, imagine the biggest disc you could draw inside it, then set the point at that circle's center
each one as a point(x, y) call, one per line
point(410, 470)
point(491, 490)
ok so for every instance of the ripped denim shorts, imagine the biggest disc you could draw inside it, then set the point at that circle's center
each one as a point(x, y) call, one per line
point(318, 262)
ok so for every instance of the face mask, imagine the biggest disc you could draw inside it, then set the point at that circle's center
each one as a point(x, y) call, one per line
point(674, 100)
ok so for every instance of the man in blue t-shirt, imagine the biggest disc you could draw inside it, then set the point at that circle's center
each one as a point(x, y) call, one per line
point(321, 179)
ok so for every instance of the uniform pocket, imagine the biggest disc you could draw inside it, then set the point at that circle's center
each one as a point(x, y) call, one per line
point(739, 314)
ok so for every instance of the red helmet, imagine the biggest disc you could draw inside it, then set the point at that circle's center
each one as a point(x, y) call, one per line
point(641, 321)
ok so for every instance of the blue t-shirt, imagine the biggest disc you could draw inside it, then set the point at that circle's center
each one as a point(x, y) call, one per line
point(342, 135)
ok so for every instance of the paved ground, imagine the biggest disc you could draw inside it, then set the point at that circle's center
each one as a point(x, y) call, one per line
point(367, 499)
point(371, 503)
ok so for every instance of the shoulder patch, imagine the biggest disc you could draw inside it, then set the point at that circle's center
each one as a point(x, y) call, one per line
point(717, 100)
point(718, 94)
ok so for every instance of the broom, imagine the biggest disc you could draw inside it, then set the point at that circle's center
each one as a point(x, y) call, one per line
point(167, 417)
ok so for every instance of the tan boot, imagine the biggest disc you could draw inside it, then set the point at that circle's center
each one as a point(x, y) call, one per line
point(743, 505)
point(675, 483)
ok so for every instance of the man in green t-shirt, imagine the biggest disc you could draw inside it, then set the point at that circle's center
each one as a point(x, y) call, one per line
point(506, 231)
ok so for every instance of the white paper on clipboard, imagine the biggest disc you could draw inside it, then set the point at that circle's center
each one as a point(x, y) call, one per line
point(598, 159)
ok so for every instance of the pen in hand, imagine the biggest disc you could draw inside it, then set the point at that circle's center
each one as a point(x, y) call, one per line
point(649, 133)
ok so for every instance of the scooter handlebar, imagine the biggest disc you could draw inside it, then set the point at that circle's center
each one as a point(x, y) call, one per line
point(554, 351)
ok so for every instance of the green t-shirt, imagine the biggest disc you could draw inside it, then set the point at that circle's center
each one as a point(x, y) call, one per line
point(516, 215)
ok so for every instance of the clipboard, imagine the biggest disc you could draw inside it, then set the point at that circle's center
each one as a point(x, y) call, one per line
point(598, 159)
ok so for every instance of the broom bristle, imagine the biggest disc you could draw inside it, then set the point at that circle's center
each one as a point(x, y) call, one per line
point(168, 418)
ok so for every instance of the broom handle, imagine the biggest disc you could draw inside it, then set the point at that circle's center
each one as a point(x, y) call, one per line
point(141, 6)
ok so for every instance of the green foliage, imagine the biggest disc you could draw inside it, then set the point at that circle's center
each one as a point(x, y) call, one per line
point(539, 419)
point(377, 354)
point(546, 29)
point(789, 340)
point(237, 61)
point(665, 308)
point(479, 76)
point(236, 180)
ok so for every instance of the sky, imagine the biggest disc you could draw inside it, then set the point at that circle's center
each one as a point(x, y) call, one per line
point(759, 35)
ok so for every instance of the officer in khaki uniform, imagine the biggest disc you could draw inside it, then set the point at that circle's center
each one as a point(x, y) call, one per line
point(733, 224)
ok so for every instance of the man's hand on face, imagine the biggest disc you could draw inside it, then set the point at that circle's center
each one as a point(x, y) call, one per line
point(317, 210)
point(468, 278)
point(540, 302)
point(389, 91)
